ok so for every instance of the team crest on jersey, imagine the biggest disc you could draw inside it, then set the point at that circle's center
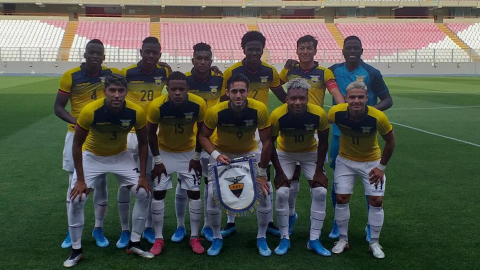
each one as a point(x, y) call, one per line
point(236, 188)
point(249, 123)
point(309, 127)
point(125, 123)
point(102, 79)
point(158, 80)
point(360, 78)
point(264, 79)
point(214, 90)
point(188, 116)
point(366, 130)
point(314, 79)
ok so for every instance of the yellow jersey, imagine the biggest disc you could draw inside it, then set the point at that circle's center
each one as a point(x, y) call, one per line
point(209, 89)
point(108, 131)
point(358, 140)
point(177, 126)
point(317, 77)
point(236, 135)
point(297, 134)
point(83, 88)
point(261, 80)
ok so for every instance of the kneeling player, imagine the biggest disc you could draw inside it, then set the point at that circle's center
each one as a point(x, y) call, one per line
point(295, 124)
point(175, 150)
point(235, 122)
point(360, 155)
point(102, 129)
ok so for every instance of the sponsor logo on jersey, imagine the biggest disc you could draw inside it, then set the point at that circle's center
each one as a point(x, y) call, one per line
point(125, 123)
point(188, 116)
point(264, 79)
point(158, 80)
point(249, 123)
point(103, 123)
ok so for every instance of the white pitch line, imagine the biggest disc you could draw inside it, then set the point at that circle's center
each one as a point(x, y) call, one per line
point(432, 91)
point(435, 108)
point(436, 134)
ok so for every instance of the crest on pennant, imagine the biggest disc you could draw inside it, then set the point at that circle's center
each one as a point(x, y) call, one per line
point(249, 123)
point(188, 116)
point(214, 90)
point(309, 127)
point(125, 123)
point(366, 130)
point(314, 79)
point(236, 188)
point(360, 78)
point(158, 80)
point(264, 79)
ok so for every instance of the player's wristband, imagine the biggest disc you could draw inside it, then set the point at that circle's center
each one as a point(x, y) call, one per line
point(157, 160)
point(196, 156)
point(262, 172)
point(215, 154)
point(381, 167)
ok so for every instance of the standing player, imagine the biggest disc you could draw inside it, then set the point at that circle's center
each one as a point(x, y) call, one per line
point(360, 155)
point(175, 150)
point(80, 86)
point(319, 78)
point(354, 69)
point(205, 83)
point(235, 123)
point(146, 80)
point(295, 124)
point(263, 78)
point(100, 147)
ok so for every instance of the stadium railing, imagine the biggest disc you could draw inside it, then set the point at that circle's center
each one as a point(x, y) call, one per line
point(231, 56)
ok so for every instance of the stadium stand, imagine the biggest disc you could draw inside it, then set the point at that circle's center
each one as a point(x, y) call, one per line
point(31, 40)
point(404, 42)
point(122, 40)
point(179, 38)
point(468, 33)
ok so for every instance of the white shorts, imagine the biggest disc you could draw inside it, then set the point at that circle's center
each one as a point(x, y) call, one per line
point(307, 161)
point(346, 172)
point(67, 153)
point(132, 146)
point(256, 155)
point(315, 135)
point(122, 165)
point(204, 161)
point(177, 162)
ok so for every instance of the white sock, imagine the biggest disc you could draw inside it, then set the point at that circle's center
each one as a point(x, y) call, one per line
point(230, 219)
point(149, 221)
point(271, 202)
point(76, 220)
point(181, 198)
point(139, 214)
point(205, 202)
point(100, 200)
point(292, 199)
point(342, 216)
point(281, 207)
point(158, 211)
point(70, 176)
point(375, 219)
point(123, 199)
point(317, 211)
point(214, 213)
point(264, 210)
point(195, 216)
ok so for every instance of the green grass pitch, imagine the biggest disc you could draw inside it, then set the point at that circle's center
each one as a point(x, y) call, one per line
point(431, 203)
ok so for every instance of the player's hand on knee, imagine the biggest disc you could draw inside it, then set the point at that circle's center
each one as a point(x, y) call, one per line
point(264, 184)
point(290, 64)
point(157, 171)
point(319, 179)
point(216, 70)
point(77, 190)
point(196, 166)
point(143, 183)
point(376, 176)
point(281, 180)
point(223, 159)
